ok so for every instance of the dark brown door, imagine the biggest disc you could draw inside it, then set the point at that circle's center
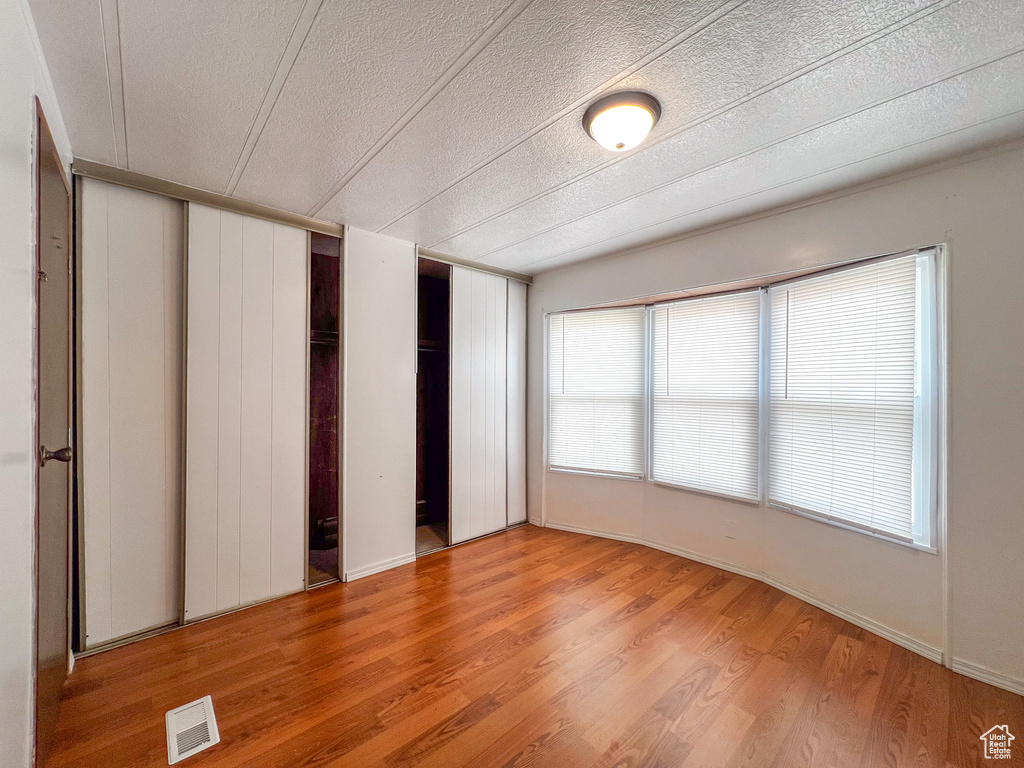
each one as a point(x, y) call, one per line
point(53, 422)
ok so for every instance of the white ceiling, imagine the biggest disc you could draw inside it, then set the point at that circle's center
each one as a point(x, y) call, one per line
point(457, 123)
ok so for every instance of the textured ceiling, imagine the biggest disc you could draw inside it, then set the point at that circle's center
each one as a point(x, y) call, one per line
point(456, 123)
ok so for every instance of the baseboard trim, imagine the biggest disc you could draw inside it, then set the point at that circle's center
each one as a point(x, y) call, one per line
point(895, 636)
point(672, 550)
point(986, 675)
point(384, 565)
point(595, 532)
point(712, 561)
point(905, 641)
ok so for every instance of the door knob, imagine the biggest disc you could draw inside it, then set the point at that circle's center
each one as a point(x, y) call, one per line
point(62, 454)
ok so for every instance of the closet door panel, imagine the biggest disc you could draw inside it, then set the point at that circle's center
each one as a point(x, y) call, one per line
point(461, 409)
point(201, 414)
point(498, 390)
point(229, 412)
point(479, 510)
point(516, 402)
point(137, 488)
point(478, 403)
point(246, 459)
point(174, 402)
point(95, 438)
point(131, 389)
point(485, 522)
point(256, 400)
point(289, 424)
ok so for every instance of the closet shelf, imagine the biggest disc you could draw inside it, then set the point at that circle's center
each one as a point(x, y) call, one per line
point(323, 337)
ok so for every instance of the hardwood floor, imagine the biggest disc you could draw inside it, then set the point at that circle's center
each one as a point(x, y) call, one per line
point(535, 647)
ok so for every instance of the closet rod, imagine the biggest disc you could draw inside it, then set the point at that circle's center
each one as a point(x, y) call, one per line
point(121, 177)
point(426, 253)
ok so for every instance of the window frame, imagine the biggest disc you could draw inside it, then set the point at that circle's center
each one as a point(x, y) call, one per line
point(649, 396)
point(936, 413)
point(633, 476)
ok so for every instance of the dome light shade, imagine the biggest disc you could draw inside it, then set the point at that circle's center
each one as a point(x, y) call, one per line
point(621, 121)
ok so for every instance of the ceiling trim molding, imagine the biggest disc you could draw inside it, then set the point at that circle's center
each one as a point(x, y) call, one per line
point(453, 70)
point(427, 253)
point(297, 39)
point(90, 170)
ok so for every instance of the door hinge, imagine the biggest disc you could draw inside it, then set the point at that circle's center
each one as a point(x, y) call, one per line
point(41, 276)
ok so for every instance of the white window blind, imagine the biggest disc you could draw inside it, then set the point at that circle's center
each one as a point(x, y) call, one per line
point(596, 391)
point(705, 393)
point(842, 396)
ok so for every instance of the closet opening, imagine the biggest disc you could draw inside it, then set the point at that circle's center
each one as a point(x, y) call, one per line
point(432, 406)
point(324, 407)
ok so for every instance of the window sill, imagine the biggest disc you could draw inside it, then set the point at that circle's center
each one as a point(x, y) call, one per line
point(703, 492)
point(594, 473)
point(854, 529)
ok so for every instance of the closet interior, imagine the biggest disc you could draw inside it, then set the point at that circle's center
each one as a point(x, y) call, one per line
point(433, 376)
point(324, 407)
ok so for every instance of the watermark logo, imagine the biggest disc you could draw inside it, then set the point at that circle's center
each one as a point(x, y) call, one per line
point(997, 742)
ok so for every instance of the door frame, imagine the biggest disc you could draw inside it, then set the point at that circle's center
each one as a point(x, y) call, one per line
point(42, 132)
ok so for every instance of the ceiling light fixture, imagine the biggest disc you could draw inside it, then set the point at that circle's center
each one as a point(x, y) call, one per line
point(620, 121)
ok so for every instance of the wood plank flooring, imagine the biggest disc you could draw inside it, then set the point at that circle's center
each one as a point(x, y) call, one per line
point(535, 647)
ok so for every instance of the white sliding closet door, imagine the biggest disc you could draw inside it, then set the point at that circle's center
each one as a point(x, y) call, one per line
point(478, 413)
point(131, 294)
point(516, 403)
point(246, 411)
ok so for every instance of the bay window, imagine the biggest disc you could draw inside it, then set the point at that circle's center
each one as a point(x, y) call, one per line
point(820, 395)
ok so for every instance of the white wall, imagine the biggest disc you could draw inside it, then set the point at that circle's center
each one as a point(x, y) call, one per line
point(976, 208)
point(378, 403)
point(24, 77)
point(130, 318)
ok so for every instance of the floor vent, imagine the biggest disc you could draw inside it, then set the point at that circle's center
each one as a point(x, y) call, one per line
point(190, 729)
